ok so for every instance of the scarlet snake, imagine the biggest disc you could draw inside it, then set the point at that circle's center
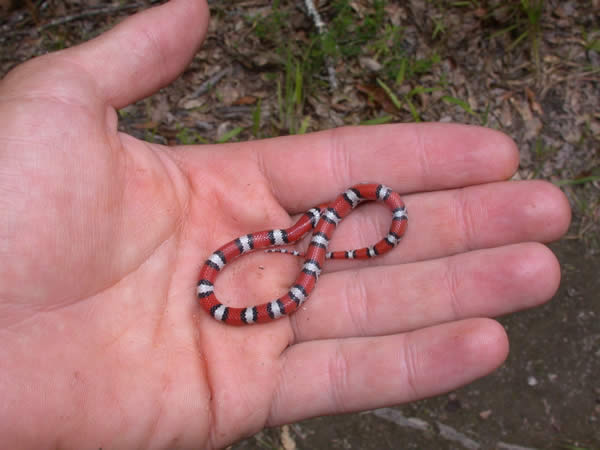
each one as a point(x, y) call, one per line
point(323, 219)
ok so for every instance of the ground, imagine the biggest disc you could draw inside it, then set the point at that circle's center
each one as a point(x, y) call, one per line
point(530, 68)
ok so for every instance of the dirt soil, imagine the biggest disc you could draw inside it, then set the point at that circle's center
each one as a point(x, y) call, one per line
point(532, 73)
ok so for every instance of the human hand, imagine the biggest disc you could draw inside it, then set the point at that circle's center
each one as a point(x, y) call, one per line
point(102, 236)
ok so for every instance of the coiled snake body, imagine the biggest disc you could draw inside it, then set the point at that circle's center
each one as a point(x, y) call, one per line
point(323, 220)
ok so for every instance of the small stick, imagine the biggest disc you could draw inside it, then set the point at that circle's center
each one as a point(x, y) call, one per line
point(212, 81)
point(312, 12)
point(6, 31)
point(88, 13)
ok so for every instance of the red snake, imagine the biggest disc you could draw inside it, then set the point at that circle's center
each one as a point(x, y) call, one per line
point(323, 220)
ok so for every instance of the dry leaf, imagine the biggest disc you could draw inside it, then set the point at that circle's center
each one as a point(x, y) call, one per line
point(245, 100)
point(370, 64)
point(532, 124)
point(287, 441)
point(378, 95)
point(485, 414)
point(535, 106)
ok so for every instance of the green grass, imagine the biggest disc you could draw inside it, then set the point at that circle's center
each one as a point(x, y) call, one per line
point(523, 19)
point(582, 180)
point(378, 120)
point(230, 135)
point(291, 95)
point(349, 36)
point(256, 119)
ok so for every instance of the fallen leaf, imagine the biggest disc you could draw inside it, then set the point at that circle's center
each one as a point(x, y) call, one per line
point(377, 95)
point(370, 64)
point(535, 106)
point(148, 125)
point(245, 100)
point(485, 414)
point(287, 441)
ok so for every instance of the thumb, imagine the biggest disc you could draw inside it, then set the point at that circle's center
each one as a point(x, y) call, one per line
point(145, 52)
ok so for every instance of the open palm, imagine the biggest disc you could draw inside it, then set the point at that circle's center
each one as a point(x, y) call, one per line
point(102, 237)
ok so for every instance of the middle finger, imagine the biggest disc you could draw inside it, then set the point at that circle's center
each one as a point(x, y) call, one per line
point(448, 222)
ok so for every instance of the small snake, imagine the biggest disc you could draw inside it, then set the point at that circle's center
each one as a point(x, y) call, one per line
point(323, 220)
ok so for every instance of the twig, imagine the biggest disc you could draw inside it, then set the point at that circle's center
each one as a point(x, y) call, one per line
point(312, 12)
point(89, 13)
point(6, 31)
point(208, 84)
point(233, 112)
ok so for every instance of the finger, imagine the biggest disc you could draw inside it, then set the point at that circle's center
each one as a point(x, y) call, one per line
point(448, 222)
point(391, 299)
point(311, 169)
point(343, 375)
point(145, 52)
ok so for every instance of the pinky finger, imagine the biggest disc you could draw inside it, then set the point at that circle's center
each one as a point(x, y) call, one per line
point(345, 375)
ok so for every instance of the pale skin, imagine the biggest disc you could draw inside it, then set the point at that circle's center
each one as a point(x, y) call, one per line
point(102, 237)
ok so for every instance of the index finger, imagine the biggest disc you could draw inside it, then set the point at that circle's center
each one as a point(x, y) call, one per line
point(310, 169)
